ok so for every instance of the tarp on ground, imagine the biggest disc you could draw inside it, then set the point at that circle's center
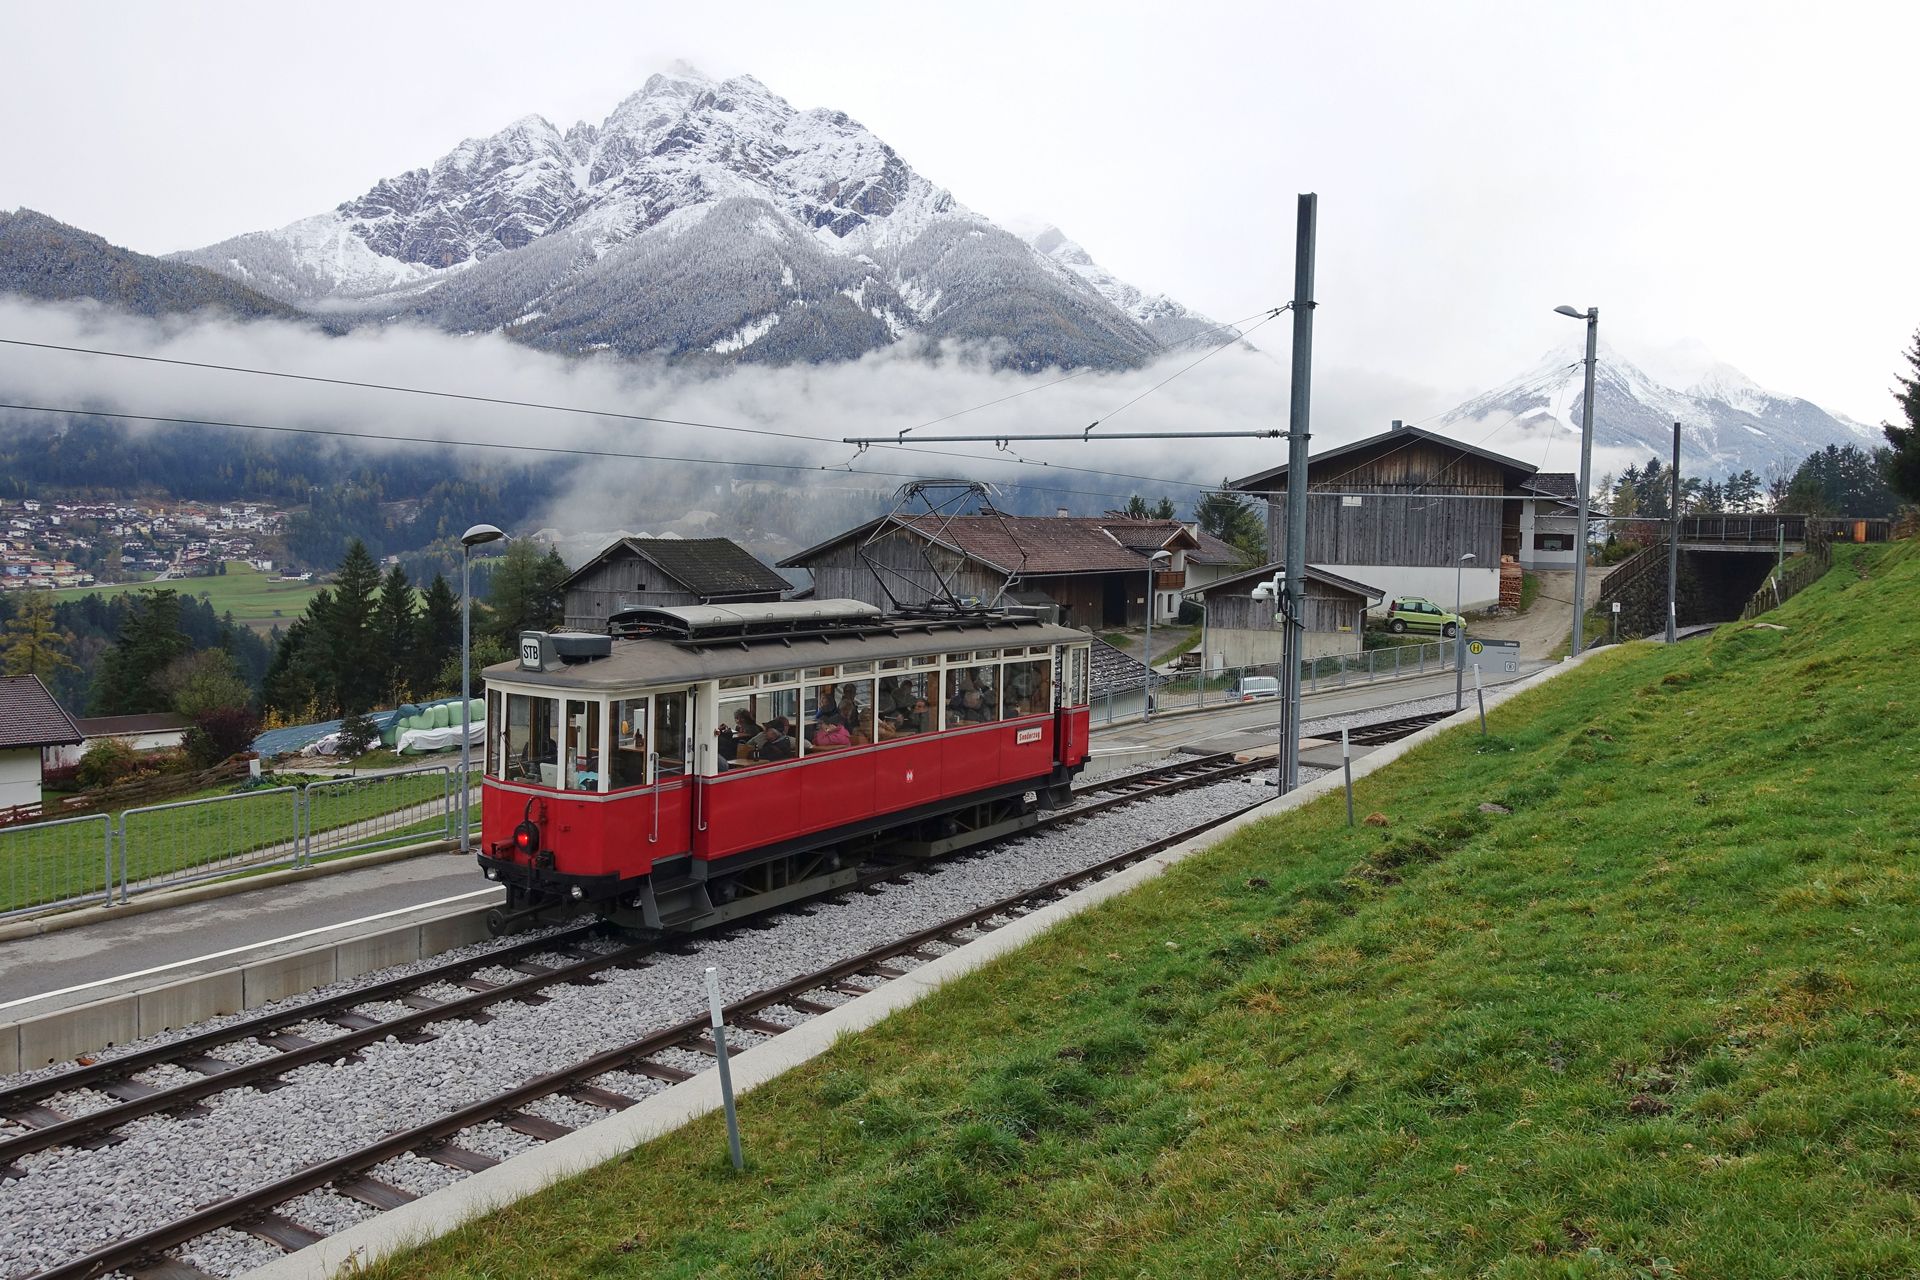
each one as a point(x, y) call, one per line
point(301, 737)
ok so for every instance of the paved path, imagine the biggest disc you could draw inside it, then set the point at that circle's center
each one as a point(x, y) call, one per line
point(55, 961)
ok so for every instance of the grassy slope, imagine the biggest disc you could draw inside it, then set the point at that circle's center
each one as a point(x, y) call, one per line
point(1659, 1020)
point(253, 598)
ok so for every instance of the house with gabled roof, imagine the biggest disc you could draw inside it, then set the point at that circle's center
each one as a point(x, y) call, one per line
point(30, 720)
point(1399, 510)
point(1092, 571)
point(639, 573)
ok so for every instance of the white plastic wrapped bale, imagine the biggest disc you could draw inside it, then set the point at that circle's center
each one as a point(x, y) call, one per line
point(417, 741)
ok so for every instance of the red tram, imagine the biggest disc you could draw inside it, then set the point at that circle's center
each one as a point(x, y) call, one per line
point(702, 762)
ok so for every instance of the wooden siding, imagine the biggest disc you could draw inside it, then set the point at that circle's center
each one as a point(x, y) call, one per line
point(1408, 514)
point(1326, 611)
point(629, 581)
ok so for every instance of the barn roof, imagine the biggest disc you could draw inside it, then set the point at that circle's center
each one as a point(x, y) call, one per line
point(706, 567)
point(109, 726)
point(1039, 546)
point(29, 717)
point(1244, 582)
point(1268, 480)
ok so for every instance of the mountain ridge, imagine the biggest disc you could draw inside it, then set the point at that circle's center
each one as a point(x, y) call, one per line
point(1728, 421)
point(544, 233)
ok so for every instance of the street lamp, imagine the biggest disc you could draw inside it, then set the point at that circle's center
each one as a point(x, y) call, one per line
point(1146, 709)
point(1592, 317)
point(479, 535)
point(1459, 636)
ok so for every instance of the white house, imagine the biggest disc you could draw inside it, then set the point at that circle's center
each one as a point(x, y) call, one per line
point(1550, 522)
point(30, 721)
point(159, 732)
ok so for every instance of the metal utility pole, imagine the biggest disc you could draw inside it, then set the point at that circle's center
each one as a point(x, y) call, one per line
point(1592, 317)
point(1296, 552)
point(478, 535)
point(1673, 545)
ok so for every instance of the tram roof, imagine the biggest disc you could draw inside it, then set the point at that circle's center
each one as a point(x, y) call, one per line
point(653, 660)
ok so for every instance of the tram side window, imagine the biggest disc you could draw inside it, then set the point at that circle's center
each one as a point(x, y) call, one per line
point(1081, 658)
point(904, 707)
point(670, 733)
point(757, 728)
point(533, 743)
point(839, 714)
point(972, 695)
point(581, 757)
point(629, 754)
point(493, 733)
point(1028, 688)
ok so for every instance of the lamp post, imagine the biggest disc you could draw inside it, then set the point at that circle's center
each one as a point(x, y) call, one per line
point(1146, 707)
point(479, 535)
point(1592, 317)
point(1459, 635)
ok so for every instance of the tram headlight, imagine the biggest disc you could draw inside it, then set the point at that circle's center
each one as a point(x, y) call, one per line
point(578, 893)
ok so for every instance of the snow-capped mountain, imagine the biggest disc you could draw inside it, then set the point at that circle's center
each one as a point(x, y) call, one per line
point(706, 220)
point(1728, 421)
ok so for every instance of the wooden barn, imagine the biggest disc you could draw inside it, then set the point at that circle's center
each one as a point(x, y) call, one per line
point(1400, 509)
point(1241, 631)
point(1091, 571)
point(636, 573)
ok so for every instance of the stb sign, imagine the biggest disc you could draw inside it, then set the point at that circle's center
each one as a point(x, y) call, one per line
point(1489, 652)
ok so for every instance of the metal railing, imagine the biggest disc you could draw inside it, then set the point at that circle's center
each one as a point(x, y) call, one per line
point(1184, 690)
point(63, 863)
point(104, 858)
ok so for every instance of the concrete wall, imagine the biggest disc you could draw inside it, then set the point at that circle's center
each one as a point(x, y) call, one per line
point(19, 776)
point(1232, 647)
point(1479, 588)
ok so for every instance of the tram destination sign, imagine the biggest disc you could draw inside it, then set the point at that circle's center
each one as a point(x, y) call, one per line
point(536, 651)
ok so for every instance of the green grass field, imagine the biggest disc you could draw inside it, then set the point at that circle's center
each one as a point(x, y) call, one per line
point(253, 598)
point(1655, 1015)
point(53, 862)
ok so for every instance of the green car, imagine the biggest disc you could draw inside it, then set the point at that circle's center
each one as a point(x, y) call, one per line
point(1416, 613)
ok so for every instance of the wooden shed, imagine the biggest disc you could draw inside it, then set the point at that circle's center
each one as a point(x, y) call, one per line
point(638, 573)
point(1241, 631)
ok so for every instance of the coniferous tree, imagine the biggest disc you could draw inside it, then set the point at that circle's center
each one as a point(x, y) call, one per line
point(525, 593)
point(438, 634)
point(33, 643)
point(352, 635)
point(150, 639)
point(396, 634)
point(1902, 461)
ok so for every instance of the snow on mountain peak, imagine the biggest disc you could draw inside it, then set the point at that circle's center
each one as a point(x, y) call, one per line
point(1728, 385)
point(689, 165)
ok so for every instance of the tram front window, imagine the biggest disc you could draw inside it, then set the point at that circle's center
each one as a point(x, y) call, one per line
point(533, 743)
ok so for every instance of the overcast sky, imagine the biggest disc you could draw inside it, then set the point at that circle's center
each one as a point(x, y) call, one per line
point(1733, 178)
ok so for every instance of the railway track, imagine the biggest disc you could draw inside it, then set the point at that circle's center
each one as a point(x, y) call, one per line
point(652, 1056)
point(1381, 732)
point(543, 962)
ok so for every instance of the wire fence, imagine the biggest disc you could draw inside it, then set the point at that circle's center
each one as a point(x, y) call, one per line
point(1185, 690)
point(105, 858)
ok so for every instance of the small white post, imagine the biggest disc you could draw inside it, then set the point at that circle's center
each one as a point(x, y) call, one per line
point(1481, 695)
point(726, 1076)
point(1346, 766)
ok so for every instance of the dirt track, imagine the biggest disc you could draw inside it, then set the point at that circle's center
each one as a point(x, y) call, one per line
point(1541, 628)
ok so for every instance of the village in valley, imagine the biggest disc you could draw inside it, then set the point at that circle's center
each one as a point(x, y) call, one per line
point(51, 543)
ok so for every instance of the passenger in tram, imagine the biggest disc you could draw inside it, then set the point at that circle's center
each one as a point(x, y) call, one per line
point(729, 738)
point(968, 707)
point(773, 742)
point(825, 708)
point(829, 733)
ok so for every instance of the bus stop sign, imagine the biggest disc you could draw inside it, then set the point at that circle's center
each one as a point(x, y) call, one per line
point(1489, 652)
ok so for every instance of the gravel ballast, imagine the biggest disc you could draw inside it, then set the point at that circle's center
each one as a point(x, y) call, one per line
point(165, 1167)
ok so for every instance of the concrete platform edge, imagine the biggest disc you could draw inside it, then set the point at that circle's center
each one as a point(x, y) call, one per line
point(80, 917)
point(30, 1043)
point(441, 1212)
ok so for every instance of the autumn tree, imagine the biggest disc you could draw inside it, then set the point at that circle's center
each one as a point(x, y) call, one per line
point(33, 643)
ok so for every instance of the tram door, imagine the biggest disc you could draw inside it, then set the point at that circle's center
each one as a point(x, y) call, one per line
point(673, 772)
